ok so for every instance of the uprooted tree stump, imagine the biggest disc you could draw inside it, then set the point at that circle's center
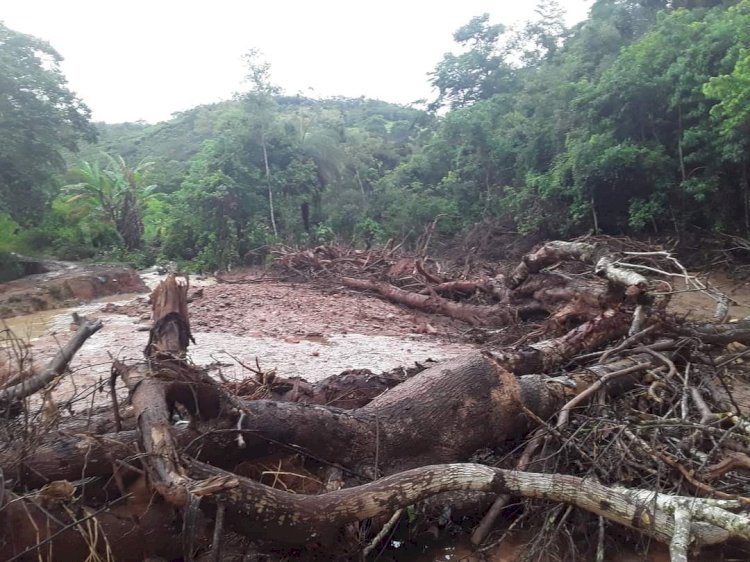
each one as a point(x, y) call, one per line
point(154, 488)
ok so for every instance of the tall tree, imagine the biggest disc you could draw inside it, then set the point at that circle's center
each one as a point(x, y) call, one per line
point(263, 109)
point(480, 71)
point(543, 36)
point(39, 118)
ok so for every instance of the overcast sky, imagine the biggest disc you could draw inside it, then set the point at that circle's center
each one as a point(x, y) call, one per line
point(147, 59)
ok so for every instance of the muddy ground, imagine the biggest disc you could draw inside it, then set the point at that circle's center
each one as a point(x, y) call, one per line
point(63, 284)
point(296, 329)
point(306, 330)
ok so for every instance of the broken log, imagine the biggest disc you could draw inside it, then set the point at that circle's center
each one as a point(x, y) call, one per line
point(604, 262)
point(496, 315)
point(548, 354)
point(408, 426)
point(442, 415)
point(170, 332)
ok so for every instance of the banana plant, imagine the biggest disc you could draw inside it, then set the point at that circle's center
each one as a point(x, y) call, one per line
point(115, 193)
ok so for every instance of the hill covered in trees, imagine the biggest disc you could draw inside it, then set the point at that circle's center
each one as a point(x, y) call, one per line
point(636, 120)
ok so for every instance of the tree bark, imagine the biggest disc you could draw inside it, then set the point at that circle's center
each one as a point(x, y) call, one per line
point(266, 513)
point(497, 315)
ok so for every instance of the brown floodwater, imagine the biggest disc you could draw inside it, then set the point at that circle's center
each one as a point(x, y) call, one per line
point(58, 320)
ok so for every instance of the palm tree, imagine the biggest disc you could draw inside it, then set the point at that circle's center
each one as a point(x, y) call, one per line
point(115, 193)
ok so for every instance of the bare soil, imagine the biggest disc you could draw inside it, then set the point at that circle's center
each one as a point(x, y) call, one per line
point(298, 330)
point(307, 330)
point(66, 284)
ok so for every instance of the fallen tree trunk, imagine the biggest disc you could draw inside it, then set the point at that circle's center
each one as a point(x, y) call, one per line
point(442, 415)
point(265, 513)
point(717, 334)
point(548, 354)
point(521, 296)
point(498, 315)
point(282, 518)
point(556, 251)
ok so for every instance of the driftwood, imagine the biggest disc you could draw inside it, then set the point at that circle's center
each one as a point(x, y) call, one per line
point(525, 293)
point(157, 489)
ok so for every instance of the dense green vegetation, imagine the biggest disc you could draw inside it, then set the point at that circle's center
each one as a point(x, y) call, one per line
point(637, 120)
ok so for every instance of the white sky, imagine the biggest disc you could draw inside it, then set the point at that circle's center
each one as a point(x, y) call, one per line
point(146, 59)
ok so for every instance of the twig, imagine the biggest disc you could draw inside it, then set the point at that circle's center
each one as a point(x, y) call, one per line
point(387, 528)
point(67, 527)
point(54, 368)
point(564, 414)
point(485, 525)
point(627, 343)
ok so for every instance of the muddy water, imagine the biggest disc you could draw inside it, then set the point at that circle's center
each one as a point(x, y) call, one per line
point(57, 321)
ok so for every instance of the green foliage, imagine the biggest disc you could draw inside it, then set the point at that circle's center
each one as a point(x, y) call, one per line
point(635, 120)
point(480, 71)
point(39, 118)
point(369, 231)
point(9, 230)
point(114, 195)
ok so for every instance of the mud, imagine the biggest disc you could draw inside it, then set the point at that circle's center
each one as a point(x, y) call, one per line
point(66, 284)
point(699, 306)
point(297, 330)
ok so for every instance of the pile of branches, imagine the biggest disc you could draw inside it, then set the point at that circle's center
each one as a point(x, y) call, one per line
point(616, 416)
point(325, 261)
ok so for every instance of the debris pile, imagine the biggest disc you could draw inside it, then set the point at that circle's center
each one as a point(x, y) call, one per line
point(610, 415)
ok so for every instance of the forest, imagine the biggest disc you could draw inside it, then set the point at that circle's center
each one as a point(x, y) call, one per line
point(634, 121)
point(510, 322)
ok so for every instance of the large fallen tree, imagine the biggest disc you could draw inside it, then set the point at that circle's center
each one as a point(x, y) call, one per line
point(152, 487)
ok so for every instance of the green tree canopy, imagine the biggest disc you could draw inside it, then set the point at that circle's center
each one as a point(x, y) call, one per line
point(39, 118)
